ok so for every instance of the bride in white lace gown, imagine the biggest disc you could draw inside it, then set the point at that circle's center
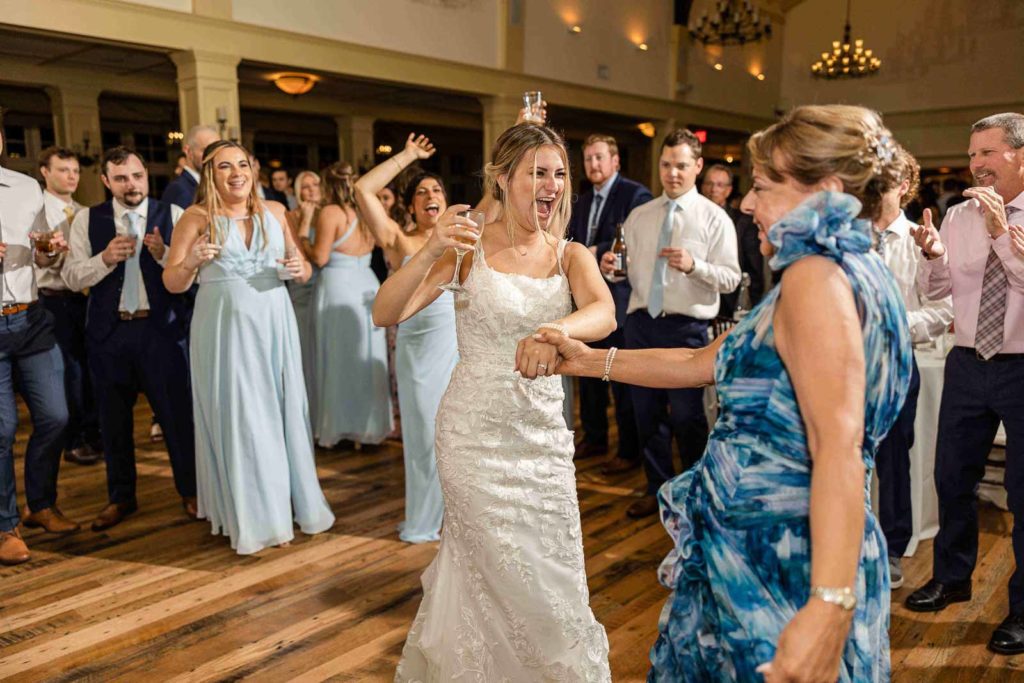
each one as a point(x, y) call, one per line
point(506, 598)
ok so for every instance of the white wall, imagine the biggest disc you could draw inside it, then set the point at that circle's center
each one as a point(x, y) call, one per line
point(456, 30)
point(611, 30)
point(735, 88)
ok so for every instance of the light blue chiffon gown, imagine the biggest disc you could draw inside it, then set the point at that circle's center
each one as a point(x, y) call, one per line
point(254, 450)
point(426, 352)
point(302, 303)
point(353, 398)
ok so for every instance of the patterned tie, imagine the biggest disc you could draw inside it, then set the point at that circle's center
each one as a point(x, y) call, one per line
point(595, 214)
point(69, 212)
point(132, 271)
point(656, 298)
point(988, 337)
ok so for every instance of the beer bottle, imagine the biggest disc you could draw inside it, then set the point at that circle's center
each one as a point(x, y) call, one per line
point(619, 249)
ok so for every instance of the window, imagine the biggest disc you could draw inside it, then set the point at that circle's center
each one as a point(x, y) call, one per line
point(287, 155)
point(46, 137)
point(14, 142)
point(152, 147)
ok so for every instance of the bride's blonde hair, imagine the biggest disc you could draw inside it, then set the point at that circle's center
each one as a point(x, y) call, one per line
point(509, 151)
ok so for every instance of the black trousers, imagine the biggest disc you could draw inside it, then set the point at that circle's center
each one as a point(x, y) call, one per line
point(664, 413)
point(593, 400)
point(68, 313)
point(139, 356)
point(976, 395)
point(892, 462)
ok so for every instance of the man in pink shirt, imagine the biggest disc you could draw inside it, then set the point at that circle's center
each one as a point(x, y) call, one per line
point(978, 257)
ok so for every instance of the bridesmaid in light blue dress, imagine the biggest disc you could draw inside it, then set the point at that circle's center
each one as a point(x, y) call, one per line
point(302, 222)
point(254, 451)
point(353, 399)
point(426, 351)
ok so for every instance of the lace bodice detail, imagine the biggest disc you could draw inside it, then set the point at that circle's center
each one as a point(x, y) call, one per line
point(498, 309)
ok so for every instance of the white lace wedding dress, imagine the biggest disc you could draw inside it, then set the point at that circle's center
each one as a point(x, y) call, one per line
point(506, 598)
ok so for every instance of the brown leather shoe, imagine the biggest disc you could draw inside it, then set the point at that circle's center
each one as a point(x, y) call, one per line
point(12, 549)
point(645, 507)
point(113, 514)
point(589, 450)
point(51, 519)
point(618, 466)
point(190, 505)
point(83, 455)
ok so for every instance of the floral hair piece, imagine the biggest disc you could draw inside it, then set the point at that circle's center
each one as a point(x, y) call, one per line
point(880, 152)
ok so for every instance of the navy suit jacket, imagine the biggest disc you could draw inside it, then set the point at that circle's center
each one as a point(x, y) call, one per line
point(181, 191)
point(751, 262)
point(623, 196)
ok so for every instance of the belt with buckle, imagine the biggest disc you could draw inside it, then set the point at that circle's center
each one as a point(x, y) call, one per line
point(59, 293)
point(999, 357)
point(137, 315)
point(11, 309)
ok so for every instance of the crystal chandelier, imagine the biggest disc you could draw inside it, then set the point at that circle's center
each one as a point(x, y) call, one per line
point(848, 59)
point(731, 22)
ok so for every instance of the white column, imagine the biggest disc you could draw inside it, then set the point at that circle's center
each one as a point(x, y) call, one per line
point(208, 90)
point(76, 123)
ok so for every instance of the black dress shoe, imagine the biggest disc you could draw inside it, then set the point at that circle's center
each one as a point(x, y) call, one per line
point(935, 596)
point(83, 455)
point(1008, 639)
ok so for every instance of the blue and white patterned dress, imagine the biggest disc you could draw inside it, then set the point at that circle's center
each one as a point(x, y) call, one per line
point(740, 517)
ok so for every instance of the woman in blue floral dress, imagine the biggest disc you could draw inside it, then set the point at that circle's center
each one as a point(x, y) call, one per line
point(779, 567)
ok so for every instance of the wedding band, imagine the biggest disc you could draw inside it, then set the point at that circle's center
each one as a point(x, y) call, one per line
point(541, 366)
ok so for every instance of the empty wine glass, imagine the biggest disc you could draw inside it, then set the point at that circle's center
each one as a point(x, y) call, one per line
point(478, 218)
point(533, 101)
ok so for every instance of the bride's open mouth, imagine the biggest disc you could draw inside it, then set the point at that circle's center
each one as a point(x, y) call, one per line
point(433, 209)
point(545, 205)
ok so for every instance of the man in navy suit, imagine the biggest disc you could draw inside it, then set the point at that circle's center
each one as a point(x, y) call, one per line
point(182, 191)
point(595, 219)
point(136, 331)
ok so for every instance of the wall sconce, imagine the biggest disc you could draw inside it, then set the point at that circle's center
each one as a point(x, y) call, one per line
point(647, 128)
point(728, 158)
point(84, 152)
point(759, 76)
point(175, 137)
point(718, 66)
point(643, 47)
point(575, 29)
point(293, 83)
point(383, 149)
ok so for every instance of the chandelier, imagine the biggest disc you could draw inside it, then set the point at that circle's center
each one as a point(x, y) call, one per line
point(848, 59)
point(731, 22)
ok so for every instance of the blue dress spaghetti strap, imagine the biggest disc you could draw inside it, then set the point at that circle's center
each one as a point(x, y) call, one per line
point(255, 470)
point(740, 517)
point(353, 400)
point(301, 294)
point(426, 352)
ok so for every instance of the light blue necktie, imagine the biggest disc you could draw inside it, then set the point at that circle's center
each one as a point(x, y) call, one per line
point(131, 268)
point(656, 297)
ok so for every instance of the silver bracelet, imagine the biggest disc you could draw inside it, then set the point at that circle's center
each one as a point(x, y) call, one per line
point(608, 360)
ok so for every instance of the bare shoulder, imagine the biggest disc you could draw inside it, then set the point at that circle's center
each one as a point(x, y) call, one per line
point(814, 295)
point(276, 208)
point(814, 278)
point(194, 218)
point(576, 253)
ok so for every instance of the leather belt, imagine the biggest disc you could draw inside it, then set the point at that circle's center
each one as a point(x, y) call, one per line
point(994, 359)
point(11, 309)
point(137, 315)
point(59, 293)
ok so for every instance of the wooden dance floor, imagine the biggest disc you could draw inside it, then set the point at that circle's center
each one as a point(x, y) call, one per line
point(160, 599)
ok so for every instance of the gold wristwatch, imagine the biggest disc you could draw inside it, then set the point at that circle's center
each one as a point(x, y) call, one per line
point(842, 597)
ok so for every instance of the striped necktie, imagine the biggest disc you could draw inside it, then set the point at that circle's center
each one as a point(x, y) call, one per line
point(988, 336)
point(595, 215)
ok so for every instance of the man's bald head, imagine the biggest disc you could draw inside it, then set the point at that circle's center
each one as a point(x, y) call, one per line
point(198, 138)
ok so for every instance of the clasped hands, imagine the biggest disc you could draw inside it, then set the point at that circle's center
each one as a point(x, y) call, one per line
point(548, 352)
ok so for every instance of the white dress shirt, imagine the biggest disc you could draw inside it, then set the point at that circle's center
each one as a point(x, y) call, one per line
point(21, 212)
point(57, 219)
point(83, 268)
point(926, 319)
point(961, 270)
point(701, 227)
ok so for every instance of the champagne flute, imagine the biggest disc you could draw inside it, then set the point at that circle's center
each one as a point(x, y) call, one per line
point(479, 218)
point(282, 268)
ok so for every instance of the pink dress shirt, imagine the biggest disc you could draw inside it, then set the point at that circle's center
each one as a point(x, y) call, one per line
point(960, 270)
